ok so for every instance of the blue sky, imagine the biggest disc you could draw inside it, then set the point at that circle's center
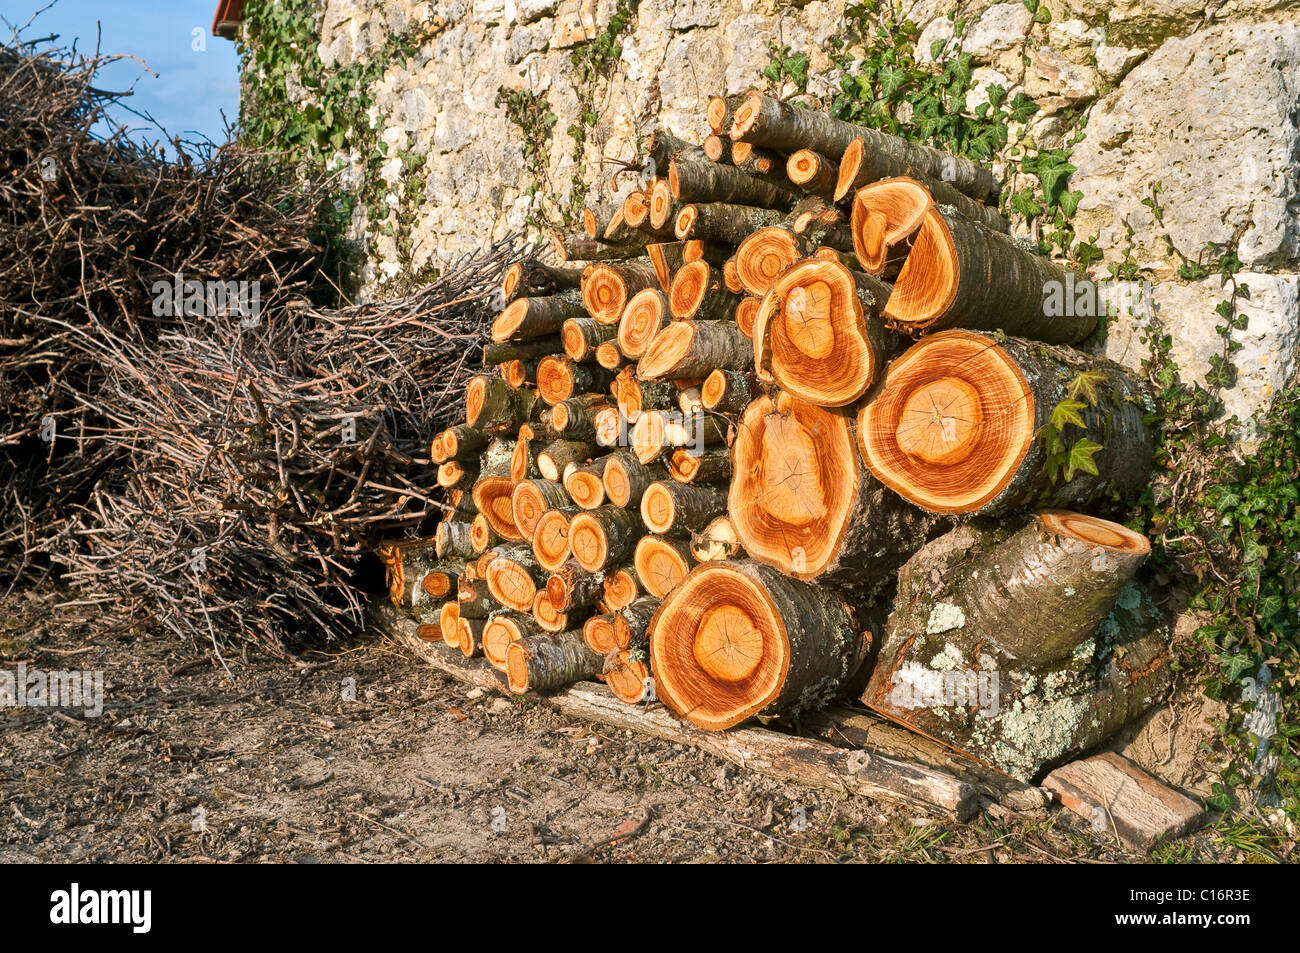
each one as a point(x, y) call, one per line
point(193, 87)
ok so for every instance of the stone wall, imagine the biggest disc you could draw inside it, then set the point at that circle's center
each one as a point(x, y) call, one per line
point(1201, 98)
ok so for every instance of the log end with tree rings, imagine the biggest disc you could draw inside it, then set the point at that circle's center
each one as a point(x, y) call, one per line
point(886, 214)
point(794, 485)
point(492, 497)
point(850, 163)
point(554, 379)
point(951, 425)
point(509, 321)
point(609, 428)
point(475, 397)
point(604, 292)
point(635, 209)
point(1094, 531)
point(746, 115)
point(661, 564)
point(620, 589)
point(810, 334)
point(551, 539)
point(585, 487)
point(658, 508)
point(499, 632)
point(661, 204)
point(684, 225)
point(746, 313)
point(511, 583)
point(926, 287)
point(763, 255)
point(648, 436)
point(688, 289)
point(449, 616)
point(548, 617)
point(645, 316)
point(599, 633)
point(609, 356)
point(627, 676)
point(481, 535)
point(529, 501)
point(722, 655)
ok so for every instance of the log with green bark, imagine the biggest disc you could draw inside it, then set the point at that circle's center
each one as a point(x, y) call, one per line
point(699, 180)
point(544, 663)
point(721, 222)
point(694, 349)
point(527, 318)
point(603, 537)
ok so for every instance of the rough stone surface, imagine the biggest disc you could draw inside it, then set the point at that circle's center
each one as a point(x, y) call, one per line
point(1267, 359)
point(1002, 27)
point(1221, 141)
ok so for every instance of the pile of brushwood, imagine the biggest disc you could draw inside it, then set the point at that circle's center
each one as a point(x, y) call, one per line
point(190, 437)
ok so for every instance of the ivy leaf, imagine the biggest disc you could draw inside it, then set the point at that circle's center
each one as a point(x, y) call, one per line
point(1086, 384)
point(1081, 455)
point(1234, 666)
point(1069, 202)
point(1023, 202)
point(891, 80)
point(1066, 412)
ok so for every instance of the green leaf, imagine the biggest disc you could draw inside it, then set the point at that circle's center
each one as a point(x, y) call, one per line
point(1066, 412)
point(1085, 384)
point(1081, 455)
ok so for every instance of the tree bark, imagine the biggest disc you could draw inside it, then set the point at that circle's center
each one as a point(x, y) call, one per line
point(669, 506)
point(529, 318)
point(544, 663)
point(699, 180)
point(694, 349)
point(603, 537)
point(963, 425)
point(699, 293)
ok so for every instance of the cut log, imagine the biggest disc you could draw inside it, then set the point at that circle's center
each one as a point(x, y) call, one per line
point(606, 288)
point(666, 258)
point(959, 274)
point(494, 407)
point(856, 172)
point(503, 629)
point(584, 483)
point(573, 248)
point(620, 588)
point(720, 222)
point(715, 253)
point(523, 460)
point(635, 397)
point(632, 624)
point(664, 207)
point(449, 623)
point(469, 636)
point(452, 540)
point(603, 537)
point(454, 475)
point(518, 373)
point(963, 424)
point(746, 312)
point(526, 318)
point(813, 173)
point(728, 392)
point(769, 122)
point(405, 563)
point(693, 349)
point(559, 379)
point(627, 674)
point(669, 506)
point(716, 541)
point(500, 352)
point(492, 496)
point(461, 442)
point(481, 534)
point(581, 337)
point(717, 149)
point(662, 147)
point(551, 619)
point(737, 639)
point(719, 112)
point(575, 418)
point(626, 478)
point(801, 501)
point(988, 650)
point(599, 635)
point(544, 663)
point(766, 253)
point(698, 293)
point(513, 577)
point(819, 334)
point(551, 538)
point(709, 466)
point(532, 498)
point(531, 278)
point(661, 563)
point(609, 356)
point(555, 457)
point(572, 587)
point(698, 180)
point(1115, 795)
point(646, 315)
point(474, 600)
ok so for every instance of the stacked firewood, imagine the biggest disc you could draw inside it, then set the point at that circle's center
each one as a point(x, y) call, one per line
point(805, 356)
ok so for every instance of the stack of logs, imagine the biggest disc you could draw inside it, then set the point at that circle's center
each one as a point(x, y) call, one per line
point(792, 423)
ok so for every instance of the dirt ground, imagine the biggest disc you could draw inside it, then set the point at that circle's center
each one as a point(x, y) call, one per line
point(273, 762)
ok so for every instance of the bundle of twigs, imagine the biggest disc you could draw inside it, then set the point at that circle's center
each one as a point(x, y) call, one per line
point(266, 462)
point(89, 227)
